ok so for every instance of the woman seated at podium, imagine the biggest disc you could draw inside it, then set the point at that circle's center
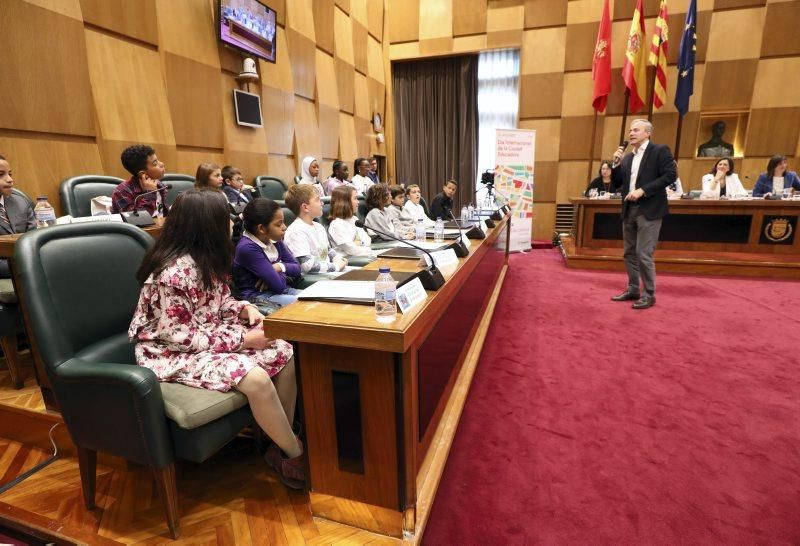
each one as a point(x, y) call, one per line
point(722, 181)
point(776, 179)
point(603, 181)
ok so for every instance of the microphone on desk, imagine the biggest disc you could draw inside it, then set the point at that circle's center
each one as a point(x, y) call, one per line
point(142, 218)
point(473, 232)
point(431, 277)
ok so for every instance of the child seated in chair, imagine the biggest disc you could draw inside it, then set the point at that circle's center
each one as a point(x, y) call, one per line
point(348, 238)
point(146, 171)
point(233, 186)
point(189, 329)
point(16, 214)
point(263, 266)
point(307, 239)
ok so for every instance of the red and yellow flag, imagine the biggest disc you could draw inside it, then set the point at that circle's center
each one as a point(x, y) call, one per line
point(601, 64)
point(658, 56)
point(634, 71)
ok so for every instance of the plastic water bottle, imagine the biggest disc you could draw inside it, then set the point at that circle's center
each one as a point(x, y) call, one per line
point(471, 212)
point(385, 287)
point(420, 230)
point(438, 230)
point(43, 212)
point(464, 214)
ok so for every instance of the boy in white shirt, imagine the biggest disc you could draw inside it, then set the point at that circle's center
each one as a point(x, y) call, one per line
point(306, 238)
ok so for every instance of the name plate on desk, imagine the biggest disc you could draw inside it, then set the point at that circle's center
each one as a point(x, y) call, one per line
point(440, 258)
point(410, 295)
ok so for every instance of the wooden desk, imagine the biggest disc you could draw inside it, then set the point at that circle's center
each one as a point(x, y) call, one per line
point(719, 237)
point(374, 395)
point(7, 245)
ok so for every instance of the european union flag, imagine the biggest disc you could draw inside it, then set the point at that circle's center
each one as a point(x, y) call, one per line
point(685, 87)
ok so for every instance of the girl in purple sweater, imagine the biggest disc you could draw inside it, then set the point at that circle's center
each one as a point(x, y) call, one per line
point(263, 266)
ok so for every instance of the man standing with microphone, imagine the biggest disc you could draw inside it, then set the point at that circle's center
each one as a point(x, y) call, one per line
point(642, 177)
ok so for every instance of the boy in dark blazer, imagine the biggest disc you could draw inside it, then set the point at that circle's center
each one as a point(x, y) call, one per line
point(16, 213)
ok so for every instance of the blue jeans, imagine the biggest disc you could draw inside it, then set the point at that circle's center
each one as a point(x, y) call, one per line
point(267, 302)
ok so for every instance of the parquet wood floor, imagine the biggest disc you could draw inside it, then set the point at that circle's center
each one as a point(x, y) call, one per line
point(29, 397)
point(233, 498)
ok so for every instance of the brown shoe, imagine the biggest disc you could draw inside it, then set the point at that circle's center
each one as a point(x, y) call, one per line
point(291, 472)
point(625, 296)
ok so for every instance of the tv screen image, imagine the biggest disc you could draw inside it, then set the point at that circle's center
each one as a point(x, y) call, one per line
point(248, 108)
point(249, 26)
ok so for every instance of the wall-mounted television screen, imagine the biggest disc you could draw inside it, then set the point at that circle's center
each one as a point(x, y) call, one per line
point(249, 26)
point(248, 108)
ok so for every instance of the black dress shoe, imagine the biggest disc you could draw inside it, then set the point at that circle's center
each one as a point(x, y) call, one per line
point(625, 296)
point(644, 302)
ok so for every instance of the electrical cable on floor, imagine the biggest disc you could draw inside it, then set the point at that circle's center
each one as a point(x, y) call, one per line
point(36, 468)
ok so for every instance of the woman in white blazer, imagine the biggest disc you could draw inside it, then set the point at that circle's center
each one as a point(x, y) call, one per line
point(722, 181)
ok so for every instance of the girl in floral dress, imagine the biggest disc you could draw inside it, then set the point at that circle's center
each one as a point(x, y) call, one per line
point(190, 330)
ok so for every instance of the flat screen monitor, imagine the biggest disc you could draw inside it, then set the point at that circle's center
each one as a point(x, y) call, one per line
point(249, 26)
point(248, 108)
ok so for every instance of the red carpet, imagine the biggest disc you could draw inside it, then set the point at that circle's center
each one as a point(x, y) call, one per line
point(589, 422)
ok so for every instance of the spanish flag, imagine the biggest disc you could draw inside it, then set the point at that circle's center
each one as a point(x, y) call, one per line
point(634, 72)
point(658, 56)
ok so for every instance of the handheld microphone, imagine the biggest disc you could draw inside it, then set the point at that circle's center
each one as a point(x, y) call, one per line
point(473, 232)
point(431, 277)
point(142, 218)
point(624, 147)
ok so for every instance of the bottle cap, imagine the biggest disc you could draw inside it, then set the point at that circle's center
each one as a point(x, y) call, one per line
point(383, 270)
point(42, 198)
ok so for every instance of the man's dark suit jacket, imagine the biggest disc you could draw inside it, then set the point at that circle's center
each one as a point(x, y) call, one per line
point(656, 172)
point(20, 212)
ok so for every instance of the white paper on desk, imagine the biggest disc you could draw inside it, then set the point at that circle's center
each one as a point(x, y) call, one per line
point(334, 274)
point(441, 258)
point(448, 231)
point(340, 289)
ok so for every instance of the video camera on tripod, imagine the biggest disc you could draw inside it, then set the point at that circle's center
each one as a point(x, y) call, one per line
point(487, 178)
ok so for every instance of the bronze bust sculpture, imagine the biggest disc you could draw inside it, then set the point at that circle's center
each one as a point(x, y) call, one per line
point(716, 147)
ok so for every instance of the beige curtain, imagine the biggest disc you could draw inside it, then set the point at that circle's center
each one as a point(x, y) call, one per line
point(436, 114)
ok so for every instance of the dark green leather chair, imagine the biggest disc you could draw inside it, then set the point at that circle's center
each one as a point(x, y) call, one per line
point(270, 187)
point(180, 183)
point(288, 216)
point(77, 192)
point(80, 292)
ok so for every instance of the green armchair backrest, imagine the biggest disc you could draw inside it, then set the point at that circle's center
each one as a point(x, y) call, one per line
point(270, 187)
point(77, 192)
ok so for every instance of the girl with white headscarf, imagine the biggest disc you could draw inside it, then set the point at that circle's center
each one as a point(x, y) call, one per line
point(309, 172)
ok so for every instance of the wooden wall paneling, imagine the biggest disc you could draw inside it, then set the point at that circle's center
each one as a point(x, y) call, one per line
point(501, 39)
point(436, 19)
point(187, 28)
point(323, 24)
point(541, 95)
point(237, 138)
point(771, 86)
point(328, 130)
point(327, 105)
point(548, 132)
point(110, 151)
point(250, 163)
point(403, 20)
point(348, 150)
point(130, 95)
point(750, 168)
point(375, 61)
point(407, 50)
point(469, 17)
point(134, 18)
point(773, 131)
point(375, 18)
point(344, 4)
point(580, 41)
point(578, 88)
point(731, 4)
point(361, 95)
point(676, 22)
point(188, 159)
point(616, 99)
point(725, 25)
point(57, 77)
point(377, 98)
point(576, 133)
point(358, 11)
point(505, 15)
point(665, 127)
point(282, 166)
point(327, 91)
point(278, 106)
point(544, 220)
point(584, 11)
point(609, 137)
point(543, 51)
point(306, 129)
point(782, 37)
point(694, 101)
point(572, 180)
point(545, 13)
point(280, 10)
point(545, 181)
point(303, 55)
point(436, 47)
point(230, 60)
point(343, 37)
point(325, 168)
point(691, 121)
point(685, 173)
point(728, 85)
point(65, 158)
point(300, 18)
point(278, 75)
point(195, 101)
point(70, 8)
point(360, 37)
point(623, 9)
point(364, 136)
point(345, 83)
point(470, 44)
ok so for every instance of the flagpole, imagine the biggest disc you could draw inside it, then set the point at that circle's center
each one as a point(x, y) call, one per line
point(591, 147)
point(624, 117)
point(652, 94)
point(678, 137)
